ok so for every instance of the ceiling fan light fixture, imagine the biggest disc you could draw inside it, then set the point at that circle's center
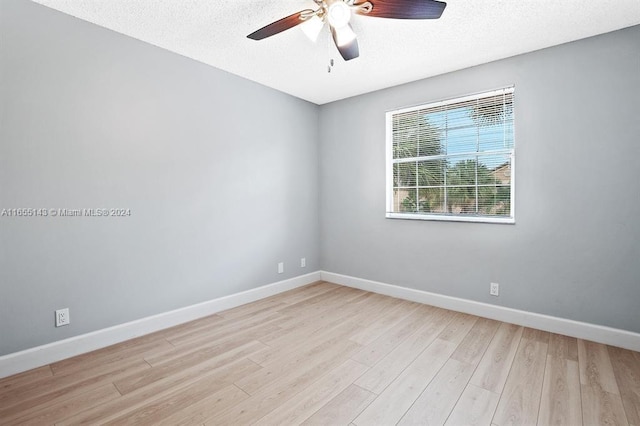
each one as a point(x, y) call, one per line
point(339, 14)
point(312, 27)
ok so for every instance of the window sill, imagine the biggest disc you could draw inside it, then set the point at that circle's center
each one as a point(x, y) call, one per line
point(447, 218)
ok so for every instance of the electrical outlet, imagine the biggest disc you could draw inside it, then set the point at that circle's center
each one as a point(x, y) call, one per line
point(280, 267)
point(494, 290)
point(62, 317)
point(303, 262)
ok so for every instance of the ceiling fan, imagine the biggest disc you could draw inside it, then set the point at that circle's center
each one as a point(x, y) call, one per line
point(337, 14)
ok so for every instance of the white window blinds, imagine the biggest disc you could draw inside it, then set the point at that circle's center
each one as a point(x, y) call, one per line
point(453, 160)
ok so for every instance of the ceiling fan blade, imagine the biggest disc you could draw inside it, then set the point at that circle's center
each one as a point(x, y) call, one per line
point(346, 42)
point(280, 25)
point(405, 9)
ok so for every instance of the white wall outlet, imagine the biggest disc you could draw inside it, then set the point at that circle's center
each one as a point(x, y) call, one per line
point(494, 290)
point(62, 317)
point(303, 262)
point(280, 267)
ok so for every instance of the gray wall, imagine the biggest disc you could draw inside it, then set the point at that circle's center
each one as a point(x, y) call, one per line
point(219, 174)
point(574, 250)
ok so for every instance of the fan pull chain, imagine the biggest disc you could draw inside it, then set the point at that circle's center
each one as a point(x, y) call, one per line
point(330, 67)
point(331, 63)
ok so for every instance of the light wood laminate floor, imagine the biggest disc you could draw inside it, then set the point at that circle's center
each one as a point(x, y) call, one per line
point(330, 355)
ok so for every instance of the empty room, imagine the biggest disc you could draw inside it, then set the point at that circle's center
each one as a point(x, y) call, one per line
point(319, 212)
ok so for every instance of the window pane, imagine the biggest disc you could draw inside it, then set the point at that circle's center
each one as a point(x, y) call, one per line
point(405, 146)
point(437, 117)
point(494, 200)
point(461, 199)
point(459, 116)
point(431, 172)
point(405, 200)
point(494, 169)
point(404, 174)
point(494, 118)
point(405, 134)
point(495, 137)
point(462, 139)
point(461, 185)
point(430, 140)
point(398, 196)
point(461, 171)
point(431, 200)
point(415, 136)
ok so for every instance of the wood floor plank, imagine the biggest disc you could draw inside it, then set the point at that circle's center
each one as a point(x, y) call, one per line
point(595, 366)
point(21, 383)
point(199, 412)
point(228, 340)
point(135, 349)
point(205, 321)
point(475, 343)
point(254, 313)
point(386, 371)
point(436, 402)
point(334, 331)
point(495, 364)
point(58, 410)
point(343, 408)
point(537, 335)
point(303, 325)
point(458, 328)
point(294, 296)
point(12, 383)
point(221, 377)
point(254, 308)
point(563, 347)
point(319, 303)
point(476, 406)
point(520, 400)
point(195, 364)
point(284, 387)
point(315, 331)
point(600, 407)
point(560, 403)
point(297, 363)
point(222, 330)
point(600, 393)
point(305, 404)
point(626, 368)
point(376, 309)
point(385, 320)
point(379, 348)
point(201, 324)
point(395, 400)
point(161, 407)
point(349, 301)
point(59, 388)
point(271, 353)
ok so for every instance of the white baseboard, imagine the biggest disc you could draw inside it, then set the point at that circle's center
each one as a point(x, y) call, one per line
point(582, 330)
point(46, 354)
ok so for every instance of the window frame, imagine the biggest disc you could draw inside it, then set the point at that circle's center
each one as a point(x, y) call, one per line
point(448, 217)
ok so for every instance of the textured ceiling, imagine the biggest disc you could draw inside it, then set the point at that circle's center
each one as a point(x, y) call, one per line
point(470, 32)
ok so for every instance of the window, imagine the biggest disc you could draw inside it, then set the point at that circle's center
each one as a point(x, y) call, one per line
point(453, 160)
